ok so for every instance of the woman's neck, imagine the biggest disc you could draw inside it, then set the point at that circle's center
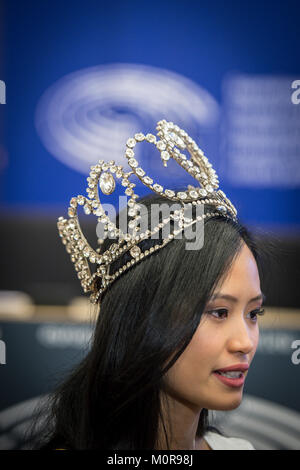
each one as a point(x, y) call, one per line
point(181, 423)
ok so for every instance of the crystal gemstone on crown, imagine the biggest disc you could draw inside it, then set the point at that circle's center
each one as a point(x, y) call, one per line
point(177, 140)
point(135, 251)
point(107, 183)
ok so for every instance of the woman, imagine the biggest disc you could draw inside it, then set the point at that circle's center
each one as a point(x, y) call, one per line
point(162, 333)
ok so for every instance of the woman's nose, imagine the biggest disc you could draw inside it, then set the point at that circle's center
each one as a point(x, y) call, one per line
point(241, 338)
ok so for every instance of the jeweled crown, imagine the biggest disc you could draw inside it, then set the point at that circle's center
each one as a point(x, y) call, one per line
point(170, 142)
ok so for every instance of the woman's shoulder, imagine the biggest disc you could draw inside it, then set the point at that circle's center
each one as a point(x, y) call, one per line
point(218, 442)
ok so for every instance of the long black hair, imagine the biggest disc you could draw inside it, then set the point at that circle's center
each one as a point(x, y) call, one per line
point(147, 317)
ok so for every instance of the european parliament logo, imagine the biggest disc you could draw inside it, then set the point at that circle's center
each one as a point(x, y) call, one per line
point(89, 114)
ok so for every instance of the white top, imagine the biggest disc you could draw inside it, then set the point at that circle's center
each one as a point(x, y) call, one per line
point(218, 442)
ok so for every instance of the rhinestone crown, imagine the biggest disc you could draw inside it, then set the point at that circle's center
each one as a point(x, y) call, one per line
point(170, 141)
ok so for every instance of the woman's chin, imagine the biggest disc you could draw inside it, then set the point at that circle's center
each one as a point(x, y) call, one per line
point(226, 405)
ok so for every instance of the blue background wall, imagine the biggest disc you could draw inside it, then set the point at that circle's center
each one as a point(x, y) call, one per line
point(200, 40)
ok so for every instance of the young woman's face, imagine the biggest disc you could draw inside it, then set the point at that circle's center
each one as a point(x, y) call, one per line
point(222, 339)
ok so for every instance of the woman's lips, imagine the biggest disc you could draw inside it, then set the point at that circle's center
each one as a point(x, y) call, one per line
point(230, 382)
point(239, 367)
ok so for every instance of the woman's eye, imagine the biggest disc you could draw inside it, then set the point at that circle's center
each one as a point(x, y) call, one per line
point(219, 314)
point(215, 313)
point(259, 311)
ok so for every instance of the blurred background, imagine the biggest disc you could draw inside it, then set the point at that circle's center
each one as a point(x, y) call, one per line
point(76, 80)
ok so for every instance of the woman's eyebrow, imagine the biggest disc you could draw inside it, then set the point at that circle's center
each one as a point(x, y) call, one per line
point(219, 295)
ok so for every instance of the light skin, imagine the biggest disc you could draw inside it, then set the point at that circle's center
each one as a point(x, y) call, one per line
point(221, 340)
